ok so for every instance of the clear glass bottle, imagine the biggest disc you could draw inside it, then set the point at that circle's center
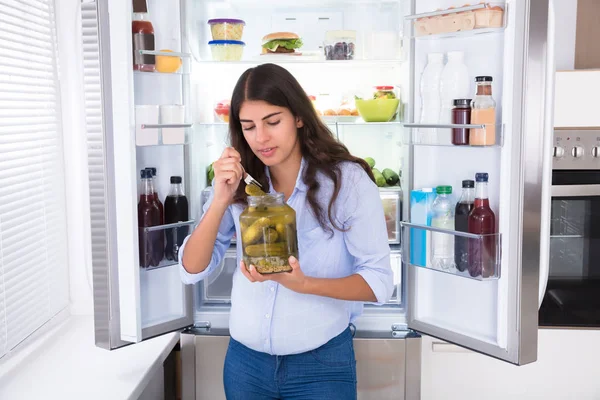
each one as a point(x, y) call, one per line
point(482, 221)
point(483, 112)
point(142, 33)
point(443, 217)
point(148, 216)
point(461, 224)
point(268, 230)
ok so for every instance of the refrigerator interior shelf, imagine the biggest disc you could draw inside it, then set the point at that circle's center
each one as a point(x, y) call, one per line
point(441, 135)
point(481, 258)
point(318, 61)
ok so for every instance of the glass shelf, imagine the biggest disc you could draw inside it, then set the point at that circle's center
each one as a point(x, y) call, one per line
point(467, 21)
point(441, 135)
point(154, 239)
point(316, 60)
point(481, 255)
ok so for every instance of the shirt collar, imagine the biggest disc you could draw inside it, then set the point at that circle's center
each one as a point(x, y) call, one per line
point(300, 185)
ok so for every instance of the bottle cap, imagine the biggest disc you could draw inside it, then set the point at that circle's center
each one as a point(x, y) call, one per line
point(468, 183)
point(481, 177)
point(146, 173)
point(175, 179)
point(444, 190)
point(483, 79)
point(462, 102)
point(140, 6)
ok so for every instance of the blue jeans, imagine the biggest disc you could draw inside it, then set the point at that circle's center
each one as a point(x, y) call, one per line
point(326, 373)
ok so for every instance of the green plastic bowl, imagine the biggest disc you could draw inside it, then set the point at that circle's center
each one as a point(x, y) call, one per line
point(377, 110)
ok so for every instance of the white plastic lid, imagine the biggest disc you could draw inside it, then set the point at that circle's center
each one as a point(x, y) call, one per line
point(331, 36)
point(435, 57)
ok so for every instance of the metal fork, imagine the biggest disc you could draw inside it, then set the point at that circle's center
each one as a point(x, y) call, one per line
point(250, 180)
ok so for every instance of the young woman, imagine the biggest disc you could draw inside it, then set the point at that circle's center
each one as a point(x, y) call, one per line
point(290, 335)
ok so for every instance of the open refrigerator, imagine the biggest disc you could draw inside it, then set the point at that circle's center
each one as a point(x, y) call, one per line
point(495, 315)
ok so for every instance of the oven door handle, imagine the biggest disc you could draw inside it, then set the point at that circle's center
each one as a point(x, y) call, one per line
point(575, 190)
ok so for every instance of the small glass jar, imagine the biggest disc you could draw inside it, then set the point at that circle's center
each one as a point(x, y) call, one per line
point(461, 114)
point(268, 230)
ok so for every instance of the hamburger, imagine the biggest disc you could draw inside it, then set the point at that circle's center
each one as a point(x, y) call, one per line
point(281, 42)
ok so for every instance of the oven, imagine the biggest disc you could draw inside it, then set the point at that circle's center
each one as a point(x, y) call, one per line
point(572, 297)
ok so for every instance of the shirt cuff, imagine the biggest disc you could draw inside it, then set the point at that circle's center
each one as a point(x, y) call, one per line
point(186, 277)
point(382, 287)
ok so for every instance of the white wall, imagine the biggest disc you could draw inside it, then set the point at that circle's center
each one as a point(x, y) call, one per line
point(566, 17)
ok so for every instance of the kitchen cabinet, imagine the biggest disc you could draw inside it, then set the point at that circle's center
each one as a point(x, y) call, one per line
point(566, 369)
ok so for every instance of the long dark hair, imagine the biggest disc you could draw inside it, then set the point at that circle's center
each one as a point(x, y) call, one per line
point(322, 152)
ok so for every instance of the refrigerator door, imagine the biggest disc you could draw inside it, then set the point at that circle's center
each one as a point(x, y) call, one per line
point(496, 315)
point(151, 301)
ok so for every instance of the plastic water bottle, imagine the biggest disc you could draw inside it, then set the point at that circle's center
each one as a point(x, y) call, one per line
point(443, 217)
point(430, 95)
point(454, 84)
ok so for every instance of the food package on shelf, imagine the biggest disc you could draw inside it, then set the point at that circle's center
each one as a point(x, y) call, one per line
point(488, 17)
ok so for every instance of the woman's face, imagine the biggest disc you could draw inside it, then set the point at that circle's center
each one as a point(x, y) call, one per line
point(271, 131)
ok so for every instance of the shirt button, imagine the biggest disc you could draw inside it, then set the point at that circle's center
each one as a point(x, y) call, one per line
point(267, 315)
point(272, 289)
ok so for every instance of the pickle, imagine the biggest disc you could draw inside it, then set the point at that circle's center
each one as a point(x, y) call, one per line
point(283, 219)
point(255, 231)
point(253, 190)
point(267, 250)
point(280, 228)
point(270, 235)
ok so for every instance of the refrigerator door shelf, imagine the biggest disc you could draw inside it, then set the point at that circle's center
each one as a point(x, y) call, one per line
point(168, 62)
point(441, 135)
point(484, 265)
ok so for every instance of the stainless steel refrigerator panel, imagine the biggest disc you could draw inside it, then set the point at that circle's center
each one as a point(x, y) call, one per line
point(385, 368)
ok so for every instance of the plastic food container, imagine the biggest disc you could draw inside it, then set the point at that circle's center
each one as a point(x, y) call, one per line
point(268, 230)
point(340, 45)
point(226, 29)
point(226, 50)
point(222, 110)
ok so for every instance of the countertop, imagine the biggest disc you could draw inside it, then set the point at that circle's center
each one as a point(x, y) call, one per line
point(66, 364)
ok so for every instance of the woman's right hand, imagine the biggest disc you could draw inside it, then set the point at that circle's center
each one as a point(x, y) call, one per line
point(228, 174)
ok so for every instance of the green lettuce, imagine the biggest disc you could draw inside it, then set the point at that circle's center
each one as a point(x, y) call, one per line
point(290, 44)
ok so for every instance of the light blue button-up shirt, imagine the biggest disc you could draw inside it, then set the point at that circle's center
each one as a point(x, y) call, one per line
point(270, 318)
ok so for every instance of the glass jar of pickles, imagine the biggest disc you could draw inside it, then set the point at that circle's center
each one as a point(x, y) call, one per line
point(268, 228)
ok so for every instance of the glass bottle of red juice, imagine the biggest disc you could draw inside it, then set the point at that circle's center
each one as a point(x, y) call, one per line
point(148, 215)
point(482, 221)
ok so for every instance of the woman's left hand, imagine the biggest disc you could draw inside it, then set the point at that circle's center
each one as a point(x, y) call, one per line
point(294, 280)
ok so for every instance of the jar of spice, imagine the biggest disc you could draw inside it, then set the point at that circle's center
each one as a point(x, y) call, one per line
point(461, 114)
point(268, 229)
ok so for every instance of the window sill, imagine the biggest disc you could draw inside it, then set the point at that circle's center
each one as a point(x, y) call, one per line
point(65, 363)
